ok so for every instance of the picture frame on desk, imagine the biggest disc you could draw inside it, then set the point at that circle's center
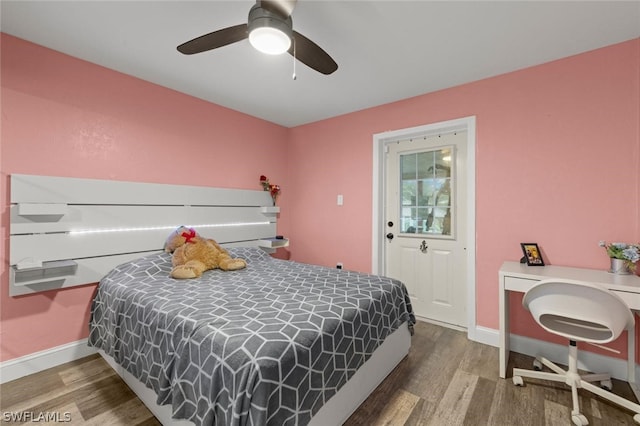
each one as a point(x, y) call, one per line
point(532, 254)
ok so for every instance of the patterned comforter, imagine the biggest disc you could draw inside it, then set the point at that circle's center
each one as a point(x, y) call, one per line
point(266, 345)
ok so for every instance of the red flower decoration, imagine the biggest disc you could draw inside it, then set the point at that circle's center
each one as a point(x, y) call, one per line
point(274, 190)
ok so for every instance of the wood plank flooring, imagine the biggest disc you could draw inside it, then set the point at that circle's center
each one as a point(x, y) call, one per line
point(446, 380)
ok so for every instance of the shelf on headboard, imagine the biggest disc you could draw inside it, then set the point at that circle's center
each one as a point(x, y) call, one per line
point(42, 209)
point(48, 272)
point(270, 209)
point(273, 242)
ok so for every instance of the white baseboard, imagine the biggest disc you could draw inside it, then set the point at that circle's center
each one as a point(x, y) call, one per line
point(590, 361)
point(39, 361)
point(484, 335)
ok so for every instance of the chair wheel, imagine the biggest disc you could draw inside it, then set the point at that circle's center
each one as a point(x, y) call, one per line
point(517, 380)
point(537, 365)
point(579, 420)
point(606, 385)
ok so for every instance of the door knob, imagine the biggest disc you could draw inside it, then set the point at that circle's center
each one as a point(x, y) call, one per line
point(389, 236)
point(424, 246)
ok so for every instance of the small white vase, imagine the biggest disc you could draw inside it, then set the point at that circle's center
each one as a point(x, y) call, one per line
point(619, 267)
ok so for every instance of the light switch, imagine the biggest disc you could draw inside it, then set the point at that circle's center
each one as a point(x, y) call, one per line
point(340, 199)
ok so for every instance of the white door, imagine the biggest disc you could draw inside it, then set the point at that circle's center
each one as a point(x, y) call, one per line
point(425, 224)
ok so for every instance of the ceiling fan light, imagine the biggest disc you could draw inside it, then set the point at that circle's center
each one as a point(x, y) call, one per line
point(269, 40)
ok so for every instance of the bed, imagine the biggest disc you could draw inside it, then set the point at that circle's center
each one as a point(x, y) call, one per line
point(267, 345)
point(328, 336)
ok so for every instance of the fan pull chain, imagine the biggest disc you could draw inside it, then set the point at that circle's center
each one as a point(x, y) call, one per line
point(294, 59)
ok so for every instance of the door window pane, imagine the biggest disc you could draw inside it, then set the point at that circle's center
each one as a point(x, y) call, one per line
point(427, 192)
point(408, 192)
point(425, 161)
point(408, 167)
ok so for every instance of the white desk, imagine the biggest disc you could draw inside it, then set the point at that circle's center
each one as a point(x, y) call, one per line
point(519, 277)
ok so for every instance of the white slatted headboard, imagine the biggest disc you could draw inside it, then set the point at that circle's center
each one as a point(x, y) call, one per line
point(68, 231)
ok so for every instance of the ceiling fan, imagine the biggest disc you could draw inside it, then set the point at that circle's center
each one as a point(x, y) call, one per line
point(270, 30)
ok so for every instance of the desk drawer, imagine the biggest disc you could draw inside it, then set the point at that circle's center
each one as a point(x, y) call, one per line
point(518, 284)
point(632, 299)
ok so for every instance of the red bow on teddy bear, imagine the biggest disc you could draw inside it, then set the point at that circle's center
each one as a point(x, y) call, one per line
point(188, 236)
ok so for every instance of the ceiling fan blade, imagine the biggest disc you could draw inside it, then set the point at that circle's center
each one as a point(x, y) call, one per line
point(214, 40)
point(312, 55)
point(283, 8)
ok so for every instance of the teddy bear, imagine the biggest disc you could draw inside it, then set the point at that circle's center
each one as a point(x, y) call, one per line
point(192, 254)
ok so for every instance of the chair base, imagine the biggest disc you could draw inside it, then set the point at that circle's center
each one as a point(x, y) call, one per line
point(571, 378)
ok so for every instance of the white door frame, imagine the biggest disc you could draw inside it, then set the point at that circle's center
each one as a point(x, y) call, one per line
point(379, 172)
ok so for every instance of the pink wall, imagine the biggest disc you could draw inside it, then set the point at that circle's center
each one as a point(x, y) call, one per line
point(65, 117)
point(558, 163)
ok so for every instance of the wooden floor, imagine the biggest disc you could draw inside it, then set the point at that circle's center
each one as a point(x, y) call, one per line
point(446, 380)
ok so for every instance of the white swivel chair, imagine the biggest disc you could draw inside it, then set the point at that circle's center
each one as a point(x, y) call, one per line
point(581, 312)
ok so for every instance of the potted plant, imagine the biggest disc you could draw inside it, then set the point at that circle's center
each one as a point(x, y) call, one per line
point(623, 256)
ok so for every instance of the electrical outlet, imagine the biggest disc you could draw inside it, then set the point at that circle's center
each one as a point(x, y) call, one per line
point(339, 265)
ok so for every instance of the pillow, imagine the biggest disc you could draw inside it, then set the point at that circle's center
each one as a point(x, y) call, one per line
point(250, 254)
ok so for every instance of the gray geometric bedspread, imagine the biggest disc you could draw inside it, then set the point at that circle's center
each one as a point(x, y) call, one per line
point(266, 345)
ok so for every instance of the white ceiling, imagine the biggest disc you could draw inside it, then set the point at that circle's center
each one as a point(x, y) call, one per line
point(385, 50)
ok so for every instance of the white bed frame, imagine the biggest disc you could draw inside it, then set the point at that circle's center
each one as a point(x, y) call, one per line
point(66, 232)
